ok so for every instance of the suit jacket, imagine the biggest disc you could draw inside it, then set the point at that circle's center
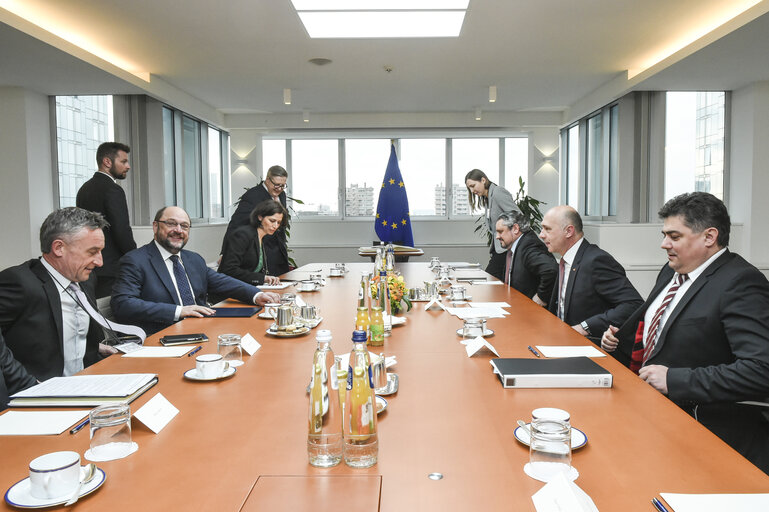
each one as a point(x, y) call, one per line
point(101, 194)
point(31, 321)
point(144, 293)
point(500, 201)
point(13, 376)
point(533, 269)
point(275, 246)
point(241, 256)
point(716, 346)
point(598, 291)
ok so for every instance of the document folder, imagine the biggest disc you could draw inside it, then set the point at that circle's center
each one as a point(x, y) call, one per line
point(571, 372)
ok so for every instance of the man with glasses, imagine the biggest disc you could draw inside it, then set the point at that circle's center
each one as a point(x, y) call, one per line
point(160, 283)
point(275, 246)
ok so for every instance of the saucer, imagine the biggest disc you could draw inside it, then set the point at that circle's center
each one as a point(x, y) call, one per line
point(578, 438)
point(486, 332)
point(266, 315)
point(312, 324)
point(543, 473)
point(466, 298)
point(192, 374)
point(288, 334)
point(18, 495)
point(391, 387)
point(381, 404)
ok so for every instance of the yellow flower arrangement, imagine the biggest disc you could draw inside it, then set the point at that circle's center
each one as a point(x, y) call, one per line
point(398, 292)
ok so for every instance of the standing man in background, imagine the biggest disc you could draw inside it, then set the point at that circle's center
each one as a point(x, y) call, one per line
point(275, 246)
point(103, 195)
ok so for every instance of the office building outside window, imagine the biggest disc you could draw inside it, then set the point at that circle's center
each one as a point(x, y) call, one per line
point(694, 143)
point(82, 123)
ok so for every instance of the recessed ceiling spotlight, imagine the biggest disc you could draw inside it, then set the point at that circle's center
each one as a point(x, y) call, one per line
point(320, 61)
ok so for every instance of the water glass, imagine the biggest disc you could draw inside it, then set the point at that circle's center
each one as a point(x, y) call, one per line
point(230, 350)
point(550, 449)
point(111, 431)
point(473, 327)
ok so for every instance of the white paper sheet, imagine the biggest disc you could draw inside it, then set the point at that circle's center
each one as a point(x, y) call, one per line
point(89, 385)
point(177, 351)
point(491, 283)
point(281, 286)
point(562, 495)
point(465, 313)
point(565, 351)
point(491, 305)
point(156, 413)
point(716, 502)
point(38, 423)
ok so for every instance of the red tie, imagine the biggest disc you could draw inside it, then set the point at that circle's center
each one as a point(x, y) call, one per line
point(508, 262)
point(651, 337)
point(561, 270)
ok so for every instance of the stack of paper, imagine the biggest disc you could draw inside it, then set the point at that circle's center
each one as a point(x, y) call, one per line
point(85, 390)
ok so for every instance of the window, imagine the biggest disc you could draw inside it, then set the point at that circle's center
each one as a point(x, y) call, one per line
point(572, 167)
point(82, 123)
point(317, 167)
point(694, 143)
point(594, 166)
point(195, 165)
point(315, 176)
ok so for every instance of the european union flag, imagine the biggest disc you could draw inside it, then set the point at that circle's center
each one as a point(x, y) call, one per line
point(393, 221)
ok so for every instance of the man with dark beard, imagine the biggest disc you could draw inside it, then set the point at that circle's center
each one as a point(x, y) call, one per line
point(160, 283)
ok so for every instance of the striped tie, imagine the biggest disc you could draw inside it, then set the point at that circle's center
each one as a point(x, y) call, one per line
point(655, 325)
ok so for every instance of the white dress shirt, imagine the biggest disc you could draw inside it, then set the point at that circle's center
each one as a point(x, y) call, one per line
point(74, 323)
point(170, 267)
point(654, 306)
point(568, 259)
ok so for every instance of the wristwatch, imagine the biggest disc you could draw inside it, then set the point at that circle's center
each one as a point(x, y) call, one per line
point(585, 327)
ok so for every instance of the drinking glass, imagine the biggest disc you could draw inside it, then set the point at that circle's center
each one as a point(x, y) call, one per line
point(230, 350)
point(550, 449)
point(111, 431)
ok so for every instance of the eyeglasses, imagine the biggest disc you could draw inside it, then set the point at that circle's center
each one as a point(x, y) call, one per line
point(172, 224)
point(281, 187)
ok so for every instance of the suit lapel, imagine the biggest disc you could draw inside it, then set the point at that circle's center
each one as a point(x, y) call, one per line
point(156, 260)
point(52, 295)
point(696, 286)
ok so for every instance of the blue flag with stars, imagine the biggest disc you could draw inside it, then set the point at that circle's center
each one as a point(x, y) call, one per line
point(393, 221)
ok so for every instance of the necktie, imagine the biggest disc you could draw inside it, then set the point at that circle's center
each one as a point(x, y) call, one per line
point(508, 265)
point(82, 300)
point(181, 282)
point(561, 270)
point(651, 337)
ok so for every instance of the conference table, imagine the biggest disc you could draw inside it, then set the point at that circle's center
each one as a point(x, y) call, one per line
point(240, 443)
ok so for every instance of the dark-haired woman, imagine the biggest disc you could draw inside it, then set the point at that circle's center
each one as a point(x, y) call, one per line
point(482, 193)
point(244, 257)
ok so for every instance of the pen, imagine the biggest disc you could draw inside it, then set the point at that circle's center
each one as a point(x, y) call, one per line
point(531, 349)
point(196, 350)
point(77, 428)
point(658, 505)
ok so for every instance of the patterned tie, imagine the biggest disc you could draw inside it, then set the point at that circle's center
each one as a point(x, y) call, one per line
point(181, 282)
point(83, 301)
point(561, 270)
point(508, 264)
point(654, 328)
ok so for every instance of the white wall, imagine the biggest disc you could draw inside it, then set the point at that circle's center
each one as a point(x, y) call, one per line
point(26, 174)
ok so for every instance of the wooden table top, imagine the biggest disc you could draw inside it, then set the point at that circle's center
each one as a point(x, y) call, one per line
point(450, 415)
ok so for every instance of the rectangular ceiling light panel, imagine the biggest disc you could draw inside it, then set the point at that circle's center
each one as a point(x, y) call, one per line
point(382, 24)
point(379, 5)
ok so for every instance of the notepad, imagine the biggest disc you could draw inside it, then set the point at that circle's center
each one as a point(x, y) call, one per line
point(85, 390)
point(38, 423)
point(173, 351)
point(567, 351)
point(716, 502)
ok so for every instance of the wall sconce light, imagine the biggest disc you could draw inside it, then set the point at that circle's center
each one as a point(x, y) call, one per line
point(242, 161)
point(306, 116)
point(287, 96)
point(492, 93)
point(478, 114)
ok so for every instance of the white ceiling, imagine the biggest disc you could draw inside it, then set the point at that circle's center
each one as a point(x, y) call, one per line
point(237, 55)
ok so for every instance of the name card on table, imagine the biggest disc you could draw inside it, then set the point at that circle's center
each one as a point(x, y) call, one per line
point(474, 345)
point(249, 344)
point(156, 413)
point(562, 494)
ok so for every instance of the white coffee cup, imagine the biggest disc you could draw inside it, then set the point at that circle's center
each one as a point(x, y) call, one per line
point(210, 366)
point(336, 272)
point(306, 286)
point(54, 475)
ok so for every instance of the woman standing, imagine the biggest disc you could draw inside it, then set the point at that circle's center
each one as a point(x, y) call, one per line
point(244, 256)
point(482, 193)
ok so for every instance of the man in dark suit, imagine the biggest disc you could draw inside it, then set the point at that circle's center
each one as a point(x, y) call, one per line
point(702, 336)
point(592, 290)
point(41, 317)
point(529, 268)
point(102, 194)
point(275, 246)
point(13, 376)
point(159, 283)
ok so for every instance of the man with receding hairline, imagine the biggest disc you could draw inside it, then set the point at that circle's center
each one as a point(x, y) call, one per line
point(592, 290)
